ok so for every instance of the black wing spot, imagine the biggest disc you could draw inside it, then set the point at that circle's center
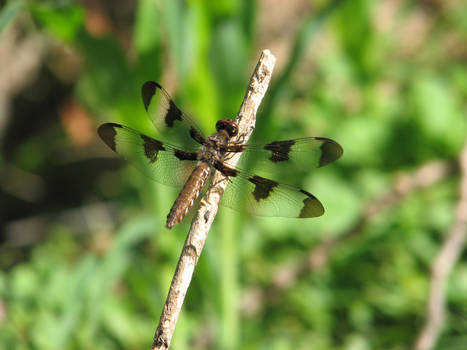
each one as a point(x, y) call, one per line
point(280, 150)
point(152, 148)
point(312, 207)
point(147, 92)
point(224, 169)
point(263, 187)
point(330, 151)
point(173, 114)
point(195, 135)
point(107, 133)
point(182, 155)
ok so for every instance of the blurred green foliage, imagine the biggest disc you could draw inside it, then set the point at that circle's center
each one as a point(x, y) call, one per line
point(386, 79)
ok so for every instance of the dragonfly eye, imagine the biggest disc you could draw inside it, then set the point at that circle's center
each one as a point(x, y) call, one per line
point(229, 126)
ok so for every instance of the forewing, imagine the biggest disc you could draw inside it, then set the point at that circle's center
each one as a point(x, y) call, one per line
point(167, 117)
point(160, 161)
point(264, 197)
point(300, 154)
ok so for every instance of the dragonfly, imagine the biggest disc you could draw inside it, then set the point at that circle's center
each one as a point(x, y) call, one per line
point(190, 163)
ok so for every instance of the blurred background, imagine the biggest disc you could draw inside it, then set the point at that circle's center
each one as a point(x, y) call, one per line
point(86, 261)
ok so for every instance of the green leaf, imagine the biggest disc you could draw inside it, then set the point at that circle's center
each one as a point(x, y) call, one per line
point(63, 21)
point(439, 112)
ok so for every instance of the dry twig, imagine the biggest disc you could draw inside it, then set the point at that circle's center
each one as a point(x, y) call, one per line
point(204, 217)
point(423, 177)
point(442, 266)
point(405, 184)
point(317, 257)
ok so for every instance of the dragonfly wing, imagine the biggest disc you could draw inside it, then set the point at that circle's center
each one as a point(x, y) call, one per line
point(159, 160)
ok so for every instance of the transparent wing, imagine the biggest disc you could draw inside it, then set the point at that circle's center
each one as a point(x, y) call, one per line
point(264, 197)
point(167, 117)
point(300, 154)
point(160, 161)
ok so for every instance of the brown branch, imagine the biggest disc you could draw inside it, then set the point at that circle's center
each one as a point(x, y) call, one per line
point(442, 266)
point(404, 184)
point(317, 257)
point(204, 217)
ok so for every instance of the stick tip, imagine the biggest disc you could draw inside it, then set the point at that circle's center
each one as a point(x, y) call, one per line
point(266, 54)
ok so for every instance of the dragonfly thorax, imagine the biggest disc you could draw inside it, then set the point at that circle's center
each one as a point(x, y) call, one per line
point(210, 151)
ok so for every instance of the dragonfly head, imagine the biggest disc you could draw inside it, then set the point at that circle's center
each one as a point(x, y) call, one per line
point(228, 125)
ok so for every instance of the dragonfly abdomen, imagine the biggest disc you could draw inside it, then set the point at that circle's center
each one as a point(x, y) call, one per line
point(189, 193)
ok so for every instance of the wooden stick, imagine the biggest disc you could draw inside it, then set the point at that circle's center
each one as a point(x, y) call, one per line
point(444, 262)
point(246, 119)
